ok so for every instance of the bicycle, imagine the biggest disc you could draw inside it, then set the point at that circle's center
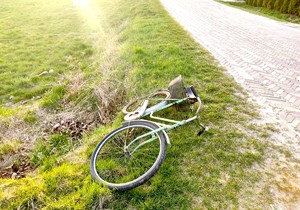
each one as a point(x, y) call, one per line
point(131, 154)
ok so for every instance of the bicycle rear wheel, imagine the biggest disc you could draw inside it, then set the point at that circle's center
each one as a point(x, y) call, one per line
point(118, 168)
point(156, 100)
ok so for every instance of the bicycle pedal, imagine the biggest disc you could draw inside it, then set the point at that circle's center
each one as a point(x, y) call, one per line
point(202, 130)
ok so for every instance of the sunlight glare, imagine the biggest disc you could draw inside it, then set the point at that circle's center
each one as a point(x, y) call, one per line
point(89, 14)
point(80, 2)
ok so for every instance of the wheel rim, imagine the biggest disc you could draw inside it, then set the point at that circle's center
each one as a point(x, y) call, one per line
point(116, 166)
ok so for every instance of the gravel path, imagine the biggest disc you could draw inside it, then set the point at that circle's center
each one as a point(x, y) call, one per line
point(261, 54)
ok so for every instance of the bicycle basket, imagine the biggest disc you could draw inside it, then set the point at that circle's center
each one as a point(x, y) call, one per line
point(176, 88)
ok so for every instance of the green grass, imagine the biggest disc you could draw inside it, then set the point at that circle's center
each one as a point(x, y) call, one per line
point(36, 37)
point(62, 188)
point(47, 152)
point(265, 12)
point(141, 45)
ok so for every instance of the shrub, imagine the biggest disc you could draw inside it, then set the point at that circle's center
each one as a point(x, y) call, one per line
point(249, 2)
point(271, 4)
point(294, 6)
point(259, 3)
point(265, 3)
point(278, 4)
point(284, 6)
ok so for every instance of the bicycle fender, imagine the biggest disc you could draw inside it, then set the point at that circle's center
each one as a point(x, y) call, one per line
point(137, 113)
point(167, 137)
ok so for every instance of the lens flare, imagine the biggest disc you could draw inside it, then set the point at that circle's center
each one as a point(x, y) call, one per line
point(87, 9)
point(80, 2)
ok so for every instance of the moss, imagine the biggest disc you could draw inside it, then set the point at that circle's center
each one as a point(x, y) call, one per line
point(62, 180)
point(23, 194)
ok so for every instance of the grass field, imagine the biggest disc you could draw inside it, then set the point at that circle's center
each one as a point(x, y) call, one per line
point(134, 47)
point(35, 38)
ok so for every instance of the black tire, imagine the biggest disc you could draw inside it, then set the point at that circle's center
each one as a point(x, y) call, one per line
point(153, 102)
point(119, 170)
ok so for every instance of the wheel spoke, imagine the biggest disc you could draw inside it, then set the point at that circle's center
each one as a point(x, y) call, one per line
point(117, 166)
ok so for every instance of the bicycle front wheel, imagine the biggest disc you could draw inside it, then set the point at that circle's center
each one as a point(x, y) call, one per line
point(123, 164)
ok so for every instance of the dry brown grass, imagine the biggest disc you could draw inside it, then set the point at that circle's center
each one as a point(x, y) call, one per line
point(109, 97)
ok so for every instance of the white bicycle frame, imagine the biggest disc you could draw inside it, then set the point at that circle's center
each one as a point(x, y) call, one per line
point(162, 127)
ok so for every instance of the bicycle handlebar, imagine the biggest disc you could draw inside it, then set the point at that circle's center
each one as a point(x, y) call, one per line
point(199, 107)
point(192, 94)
